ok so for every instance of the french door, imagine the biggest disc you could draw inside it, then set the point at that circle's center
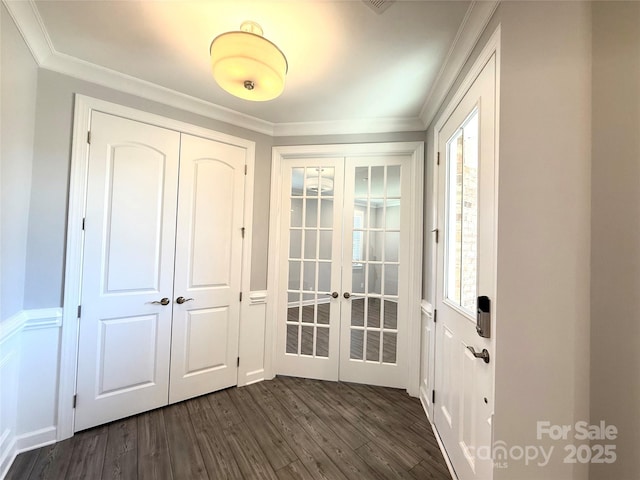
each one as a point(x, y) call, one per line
point(465, 290)
point(344, 236)
point(160, 279)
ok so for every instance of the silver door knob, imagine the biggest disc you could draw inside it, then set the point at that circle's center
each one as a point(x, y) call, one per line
point(484, 354)
point(164, 301)
point(181, 300)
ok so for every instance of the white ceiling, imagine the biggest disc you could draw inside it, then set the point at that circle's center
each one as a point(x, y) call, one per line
point(348, 65)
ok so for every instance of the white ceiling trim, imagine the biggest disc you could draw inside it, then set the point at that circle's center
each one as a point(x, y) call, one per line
point(31, 26)
point(474, 23)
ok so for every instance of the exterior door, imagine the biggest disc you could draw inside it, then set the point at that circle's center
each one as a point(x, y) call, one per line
point(161, 271)
point(127, 284)
point(342, 293)
point(206, 308)
point(466, 267)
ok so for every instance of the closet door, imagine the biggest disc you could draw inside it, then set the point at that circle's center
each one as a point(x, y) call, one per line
point(125, 321)
point(206, 308)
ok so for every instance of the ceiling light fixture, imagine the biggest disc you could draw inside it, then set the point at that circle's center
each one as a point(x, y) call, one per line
point(247, 65)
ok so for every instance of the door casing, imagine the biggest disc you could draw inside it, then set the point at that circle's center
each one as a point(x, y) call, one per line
point(413, 149)
point(84, 105)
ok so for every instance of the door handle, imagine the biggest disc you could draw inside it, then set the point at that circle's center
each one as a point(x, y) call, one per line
point(484, 354)
point(334, 294)
point(346, 295)
point(164, 301)
point(181, 300)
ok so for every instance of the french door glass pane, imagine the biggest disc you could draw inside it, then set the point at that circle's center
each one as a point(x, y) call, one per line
point(462, 215)
point(310, 240)
point(375, 264)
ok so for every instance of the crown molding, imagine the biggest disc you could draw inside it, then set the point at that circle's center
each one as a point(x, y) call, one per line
point(31, 27)
point(471, 28)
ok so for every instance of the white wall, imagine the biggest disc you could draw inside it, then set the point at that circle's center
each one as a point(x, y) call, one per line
point(615, 230)
point(542, 333)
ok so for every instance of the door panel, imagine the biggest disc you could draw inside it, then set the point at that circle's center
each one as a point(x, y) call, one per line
point(204, 343)
point(466, 269)
point(308, 334)
point(374, 271)
point(124, 337)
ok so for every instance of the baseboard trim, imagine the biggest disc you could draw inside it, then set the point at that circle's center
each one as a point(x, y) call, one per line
point(452, 472)
point(39, 438)
point(9, 454)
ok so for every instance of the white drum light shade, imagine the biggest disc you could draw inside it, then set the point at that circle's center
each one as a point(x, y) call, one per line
point(247, 65)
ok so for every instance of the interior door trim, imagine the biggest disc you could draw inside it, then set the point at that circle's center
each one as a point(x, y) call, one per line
point(84, 106)
point(415, 199)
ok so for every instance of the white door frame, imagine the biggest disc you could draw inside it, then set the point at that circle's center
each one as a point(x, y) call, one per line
point(84, 105)
point(492, 47)
point(413, 149)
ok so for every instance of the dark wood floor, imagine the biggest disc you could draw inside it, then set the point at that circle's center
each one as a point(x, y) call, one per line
point(287, 428)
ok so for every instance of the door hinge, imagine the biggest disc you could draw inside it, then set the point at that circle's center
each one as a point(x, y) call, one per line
point(245, 169)
point(79, 310)
point(433, 396)
point(240, 296)
point(238, 362)
point(435, 316)
point(75, 401)
point(89, 137)
point(83, 223)
point(437, 232)
point(438, 159)
point(242, 232)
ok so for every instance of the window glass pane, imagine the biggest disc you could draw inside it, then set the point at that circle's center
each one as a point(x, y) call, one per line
point(361, 186)
point(311, 213)
point(357, 312)
point(294, 275)
point(326, 238)
point(296, 212)
point(462, 215)
point(309, 276)
point(324, 277)
point(306, 343)
point(293, 314)
point(312, 182)
point(292, 339)
point(357, 277)
point(326, 213)
point(375, 279)
point(297, 178)
point(390, 314)
point(392, 218)
point(391, 246)
point(390, 279)
point(376, 216)
point(389, 347)
point(376, 245)
point(295, 242)
point(373, 346)
point(357, 344)
point(393, 181)
point(373, 312)
point(310, 239)
point(307, 313)
point(327, 177)
point(323, 313)
point(377, 181)
point(322, 342)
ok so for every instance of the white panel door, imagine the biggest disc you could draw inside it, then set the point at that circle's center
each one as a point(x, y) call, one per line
point(309, 285)
point(125, 326)
point(375, 277)
point(465, 270)
point(206, 309)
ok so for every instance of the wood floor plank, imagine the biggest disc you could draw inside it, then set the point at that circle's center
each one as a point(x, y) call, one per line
point(186, 459)
point(121, 457)
point(154, 462)
point(88, 454)
point(330, 416)
point(294, 471)
point(22, 465)
point(309, 452)
point(224, 408)
point(379, 461)
point(291, 402)
point(266, 434)
point(214, 446)
point(423, 471)
point(251, 459)
point(53, 461)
